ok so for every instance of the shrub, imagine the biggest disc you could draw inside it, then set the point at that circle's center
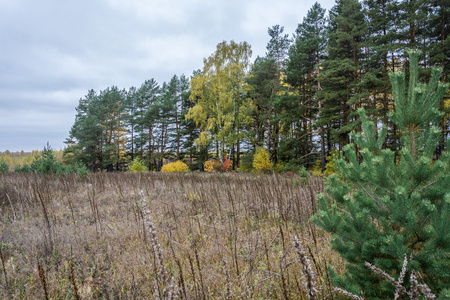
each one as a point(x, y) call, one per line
point(177, 166)
point(3, 166)
point(213, 166)
point(45, 162)
point(227, 164)
point(316, 169)
point(293, 166)
point(329, 167)
point(246, 163)
point(77, 168)
point(193, 166)
point(137, 166)
point(261, 160)
point(22, 169)
point(209, 166)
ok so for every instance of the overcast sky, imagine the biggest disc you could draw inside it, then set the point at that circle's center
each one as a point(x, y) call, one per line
point(52, 52)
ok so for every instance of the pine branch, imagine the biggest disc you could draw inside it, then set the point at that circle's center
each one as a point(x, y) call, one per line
point(383, 274)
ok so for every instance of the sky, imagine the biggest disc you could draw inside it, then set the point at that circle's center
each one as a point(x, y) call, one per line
point(52, 52)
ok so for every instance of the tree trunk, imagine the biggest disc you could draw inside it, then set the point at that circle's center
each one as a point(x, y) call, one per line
point(178, 135)
point(233, 157)
point(238, 152)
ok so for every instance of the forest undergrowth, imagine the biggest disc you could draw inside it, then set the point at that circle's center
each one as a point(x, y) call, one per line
point(159, 235)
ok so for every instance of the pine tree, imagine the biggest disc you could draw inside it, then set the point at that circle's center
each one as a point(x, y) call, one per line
point(413, 18)
point(265, 83)
point(343, 88)
point(146, 115)
point(3, 165)
point(384, 57)
point(111, 114)
point(439, 32)
point(278, 45)
point(303, 68)
point(85, 141)
point(377, 210)
point(130, 118)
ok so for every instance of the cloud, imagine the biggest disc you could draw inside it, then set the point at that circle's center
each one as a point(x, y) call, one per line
point(53, 52)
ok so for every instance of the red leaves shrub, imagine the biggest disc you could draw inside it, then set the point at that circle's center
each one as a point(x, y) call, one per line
point(226, 165)
point(214, 165)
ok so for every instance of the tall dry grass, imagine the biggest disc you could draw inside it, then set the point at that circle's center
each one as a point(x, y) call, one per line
point(159, 235)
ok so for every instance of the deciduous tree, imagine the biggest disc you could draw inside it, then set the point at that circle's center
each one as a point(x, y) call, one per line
point(218, 91)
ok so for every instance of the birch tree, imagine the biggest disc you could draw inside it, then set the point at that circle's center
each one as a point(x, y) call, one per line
point(220, 109)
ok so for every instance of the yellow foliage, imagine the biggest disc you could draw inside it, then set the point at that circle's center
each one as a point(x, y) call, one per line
point(138, 166)
point(316, 169)
point(209, 166)
point(215, 89)
point(446, 107)
point(213, 165)
point(203, 139)
point(16, 159)
point(177, 166)
point(279, 167)
point(261, 160)
point(329, 166)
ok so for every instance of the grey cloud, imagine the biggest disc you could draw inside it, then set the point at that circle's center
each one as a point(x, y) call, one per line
point(52, 52)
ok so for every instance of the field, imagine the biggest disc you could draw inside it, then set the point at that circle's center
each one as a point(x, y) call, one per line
point(150, 235)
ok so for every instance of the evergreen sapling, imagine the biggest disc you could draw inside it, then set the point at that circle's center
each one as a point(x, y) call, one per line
point(378, 209)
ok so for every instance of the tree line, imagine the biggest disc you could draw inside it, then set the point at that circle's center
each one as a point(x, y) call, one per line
point(299, 101)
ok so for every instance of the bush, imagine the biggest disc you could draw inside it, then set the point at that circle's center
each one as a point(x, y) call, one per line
point(227, 165)
point(177, 166)
point(193, 166)
point(45, 162)
point(261, 160)
point(137, 166)
point(293, 166)
point(22, 169)
point(213, 166)
point(246, 163)
point(77, 168)
point(216, 166)
point(3, 166)
point(329, 167)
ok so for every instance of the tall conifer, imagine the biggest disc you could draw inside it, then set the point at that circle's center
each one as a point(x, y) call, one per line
point(341, 79)
point(303, 67)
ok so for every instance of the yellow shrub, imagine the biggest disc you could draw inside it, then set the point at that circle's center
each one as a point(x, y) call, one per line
point(261, 160)
point(278, 167)
point(329, 167)
point(213, 166)
point(209, 166)
point(177, 166)
point(138, 166)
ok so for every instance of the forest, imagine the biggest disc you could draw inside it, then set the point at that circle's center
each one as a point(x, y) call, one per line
point(299, 101)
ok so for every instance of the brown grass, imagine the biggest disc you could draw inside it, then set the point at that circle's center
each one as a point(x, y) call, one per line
point(211, 236)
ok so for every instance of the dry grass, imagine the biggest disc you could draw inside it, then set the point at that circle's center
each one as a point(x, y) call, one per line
point(199, 236)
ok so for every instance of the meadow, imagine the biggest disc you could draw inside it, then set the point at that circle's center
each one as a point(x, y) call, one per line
point(160, 235)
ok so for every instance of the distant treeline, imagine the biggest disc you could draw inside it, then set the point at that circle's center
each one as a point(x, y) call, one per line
point(15, 159)
point(299, 100)
point(16, 153)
